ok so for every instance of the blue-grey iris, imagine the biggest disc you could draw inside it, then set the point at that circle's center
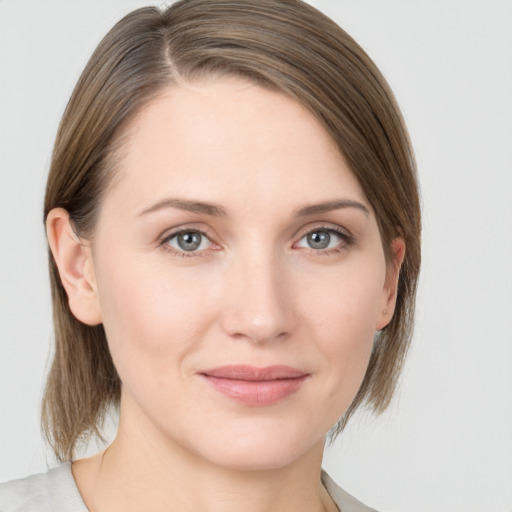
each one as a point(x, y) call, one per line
point(189, 241)
point(319, 239)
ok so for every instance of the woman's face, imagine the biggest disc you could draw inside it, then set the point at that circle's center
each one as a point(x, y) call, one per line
point(240, 275)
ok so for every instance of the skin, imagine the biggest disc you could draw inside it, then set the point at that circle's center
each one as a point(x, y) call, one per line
point(254, 292)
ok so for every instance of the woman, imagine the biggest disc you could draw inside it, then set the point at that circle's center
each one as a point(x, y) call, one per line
point(233, 219)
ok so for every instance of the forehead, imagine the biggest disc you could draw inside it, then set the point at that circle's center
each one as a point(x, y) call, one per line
point(218, 139)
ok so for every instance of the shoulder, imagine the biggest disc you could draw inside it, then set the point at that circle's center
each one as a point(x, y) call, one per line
point(344, 501)
point(54, 491)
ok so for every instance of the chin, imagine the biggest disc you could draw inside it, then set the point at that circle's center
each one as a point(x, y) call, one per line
point(260, 449)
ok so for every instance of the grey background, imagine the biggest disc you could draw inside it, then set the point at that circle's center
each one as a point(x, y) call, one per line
point(446, 442)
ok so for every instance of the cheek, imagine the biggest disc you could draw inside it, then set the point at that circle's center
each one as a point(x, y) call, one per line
point(347, 300)
point(342, 317)
point(150, 315)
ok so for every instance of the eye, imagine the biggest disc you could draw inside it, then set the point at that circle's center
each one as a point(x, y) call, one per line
point(188, 241)
point(323, 239)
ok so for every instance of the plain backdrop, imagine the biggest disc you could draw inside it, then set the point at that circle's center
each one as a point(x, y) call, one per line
point(446, 442)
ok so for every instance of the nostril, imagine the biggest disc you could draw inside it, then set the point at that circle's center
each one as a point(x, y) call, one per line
point(239, 325)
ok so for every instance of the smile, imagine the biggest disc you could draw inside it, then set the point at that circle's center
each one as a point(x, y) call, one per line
point(255, 386)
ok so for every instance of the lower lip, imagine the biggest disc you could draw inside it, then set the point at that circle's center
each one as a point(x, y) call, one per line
point(257, 392)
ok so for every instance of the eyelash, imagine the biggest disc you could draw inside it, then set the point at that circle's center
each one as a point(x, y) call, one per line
point(347, 241)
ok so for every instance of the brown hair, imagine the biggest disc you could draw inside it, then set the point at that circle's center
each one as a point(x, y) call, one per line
point(285, 45)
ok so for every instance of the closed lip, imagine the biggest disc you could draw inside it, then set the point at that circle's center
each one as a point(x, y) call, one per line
point(255, 386)
point(255, 373)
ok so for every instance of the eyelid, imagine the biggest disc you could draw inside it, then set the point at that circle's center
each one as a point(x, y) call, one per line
point(184, 228)
point(327, 226)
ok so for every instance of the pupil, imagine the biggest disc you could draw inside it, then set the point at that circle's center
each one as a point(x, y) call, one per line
point(189, 241)
point(319, 239)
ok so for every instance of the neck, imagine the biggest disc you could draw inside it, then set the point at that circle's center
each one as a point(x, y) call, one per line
point(141, 472)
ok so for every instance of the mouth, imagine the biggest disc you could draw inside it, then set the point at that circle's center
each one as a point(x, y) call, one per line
point(255, 386)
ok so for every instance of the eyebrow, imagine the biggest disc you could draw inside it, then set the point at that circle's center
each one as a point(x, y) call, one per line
point(187, 205)
point(217, 211)
point(328, 206)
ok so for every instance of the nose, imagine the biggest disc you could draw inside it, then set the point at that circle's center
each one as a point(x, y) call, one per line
point(258, 300)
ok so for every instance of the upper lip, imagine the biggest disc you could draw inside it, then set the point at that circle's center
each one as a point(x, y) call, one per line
point(254, 373)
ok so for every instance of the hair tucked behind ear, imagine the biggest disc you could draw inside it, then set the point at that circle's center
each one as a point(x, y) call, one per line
point(285, 45)
point(129, 67)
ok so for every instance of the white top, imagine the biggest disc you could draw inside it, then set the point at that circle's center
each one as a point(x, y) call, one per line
point(56, 491)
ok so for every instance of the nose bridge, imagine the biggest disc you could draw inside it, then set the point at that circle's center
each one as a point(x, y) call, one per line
point(258, 305)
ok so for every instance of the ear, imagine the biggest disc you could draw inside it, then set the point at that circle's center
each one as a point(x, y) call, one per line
point(391, 284)
point(76, 269)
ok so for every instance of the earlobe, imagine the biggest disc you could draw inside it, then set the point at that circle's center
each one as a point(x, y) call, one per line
point(74, 262)
point(391, 285)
